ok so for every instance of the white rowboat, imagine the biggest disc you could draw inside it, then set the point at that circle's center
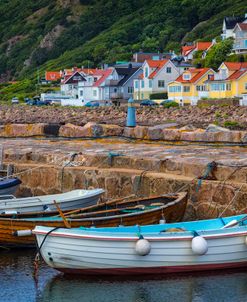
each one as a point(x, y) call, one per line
point(164, 248)
point(67, 201)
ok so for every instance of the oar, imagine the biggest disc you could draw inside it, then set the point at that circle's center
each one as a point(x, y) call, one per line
point(234, 222)
point(65, 221)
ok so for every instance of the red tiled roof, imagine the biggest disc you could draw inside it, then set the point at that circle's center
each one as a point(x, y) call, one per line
point(243, 26)
point(196, 74)
point(157, 64)
point(237, 74)
point(52, 75)
point(203, 45)
point(105, 74)
point(187, 49)
point(235, 65)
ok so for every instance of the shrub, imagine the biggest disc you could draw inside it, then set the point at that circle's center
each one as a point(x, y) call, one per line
point(231, 124)
point(170, 104)
point(158, 96)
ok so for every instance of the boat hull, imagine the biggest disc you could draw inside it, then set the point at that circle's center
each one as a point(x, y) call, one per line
point(77, 199)
point(9, 191)
point(98, 252)
point(8, 226)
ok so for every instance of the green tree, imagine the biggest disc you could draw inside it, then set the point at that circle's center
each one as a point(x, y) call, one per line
point(218, 53)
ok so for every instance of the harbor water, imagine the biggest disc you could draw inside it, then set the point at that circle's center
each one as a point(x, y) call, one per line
point(17, 284)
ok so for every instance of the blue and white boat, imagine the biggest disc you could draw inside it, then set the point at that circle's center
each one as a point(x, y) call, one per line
point(163, 248)
point(8, 186)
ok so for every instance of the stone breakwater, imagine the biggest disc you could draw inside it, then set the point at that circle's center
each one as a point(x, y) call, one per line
point(198, 117)
point(165, 132)
point(123, 168)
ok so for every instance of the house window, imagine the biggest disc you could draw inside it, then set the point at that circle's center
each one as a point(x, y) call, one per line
point(174, 89)
point(245, 86)
point(70, 87)
point(136, 84)
point(228, 86)
point(146, 72)
point(218, 87)
point(81, 92)
point(186, 89)
point(161, 84)
point(186, 76)
point(130, 89)
point(142, 84)
point(168, 70)
point(142, 95)
point(94, 92)
point(94, 79)
point(150, 83)
point(115, 90)
point(201, 88)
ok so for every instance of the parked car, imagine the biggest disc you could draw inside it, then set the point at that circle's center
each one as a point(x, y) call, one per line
point(148, 103)
point(92, 104)
point(15, 100)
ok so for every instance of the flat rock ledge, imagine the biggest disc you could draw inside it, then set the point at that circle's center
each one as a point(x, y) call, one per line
point(163, 132)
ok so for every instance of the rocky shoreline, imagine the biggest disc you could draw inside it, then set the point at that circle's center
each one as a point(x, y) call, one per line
point(233, 117)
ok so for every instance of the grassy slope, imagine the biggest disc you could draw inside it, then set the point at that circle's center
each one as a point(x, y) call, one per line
point(107, 30)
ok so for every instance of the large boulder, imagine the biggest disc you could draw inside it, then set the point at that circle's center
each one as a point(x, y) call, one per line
point(112, 130)
point(89, 130)
point(156, 132)
point(215, 128)
point(22, 130)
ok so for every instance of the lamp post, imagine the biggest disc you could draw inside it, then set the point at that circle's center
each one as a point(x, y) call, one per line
point(131, 114)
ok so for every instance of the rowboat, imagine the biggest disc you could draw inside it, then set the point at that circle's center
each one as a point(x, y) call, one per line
point(67, 201)
point(163, 248)
point(8, 186)
point(149, 210)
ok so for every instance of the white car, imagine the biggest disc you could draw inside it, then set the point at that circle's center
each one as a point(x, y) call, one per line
point(15, 100)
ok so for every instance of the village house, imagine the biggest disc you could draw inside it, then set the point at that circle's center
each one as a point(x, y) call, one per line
point(69, 85)
point(240, 42)
point(95, 87)
point(230, 81)
point(229, 24)
point(191, 86)
point(123, 89)
point(53, 76)
point(112, 84)
point(188, 51)
point(154, 78)
point(143, 56)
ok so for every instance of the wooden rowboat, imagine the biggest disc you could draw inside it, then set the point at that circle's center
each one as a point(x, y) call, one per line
point(165, 248)
point(144, 211)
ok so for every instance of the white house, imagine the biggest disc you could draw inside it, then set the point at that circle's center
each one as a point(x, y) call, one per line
point(96, 87)
point(69, 85)
point(229, 24)
point(240, 42)
point(154, 78)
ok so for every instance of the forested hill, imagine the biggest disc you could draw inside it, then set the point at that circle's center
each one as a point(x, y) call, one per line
point(60, 33)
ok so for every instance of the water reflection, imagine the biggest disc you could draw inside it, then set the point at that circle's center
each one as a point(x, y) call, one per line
point(230, 286)
point(17, 284)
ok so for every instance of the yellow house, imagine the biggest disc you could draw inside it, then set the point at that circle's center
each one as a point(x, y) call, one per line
point(191, 86)
point(230, 81)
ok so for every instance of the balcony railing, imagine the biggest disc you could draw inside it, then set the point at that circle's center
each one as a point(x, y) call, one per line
point(117, 95)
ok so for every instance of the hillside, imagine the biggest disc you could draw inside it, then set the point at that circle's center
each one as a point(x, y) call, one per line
point(52, 34)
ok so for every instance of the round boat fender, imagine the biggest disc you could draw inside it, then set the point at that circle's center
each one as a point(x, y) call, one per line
point(143, 246)
point(199, 245)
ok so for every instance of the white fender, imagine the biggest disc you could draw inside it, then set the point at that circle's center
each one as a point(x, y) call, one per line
point(143, 247)
point(199, 245)
point(22, 233)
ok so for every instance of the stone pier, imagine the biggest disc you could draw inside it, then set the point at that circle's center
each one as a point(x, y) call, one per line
point(131, 168)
